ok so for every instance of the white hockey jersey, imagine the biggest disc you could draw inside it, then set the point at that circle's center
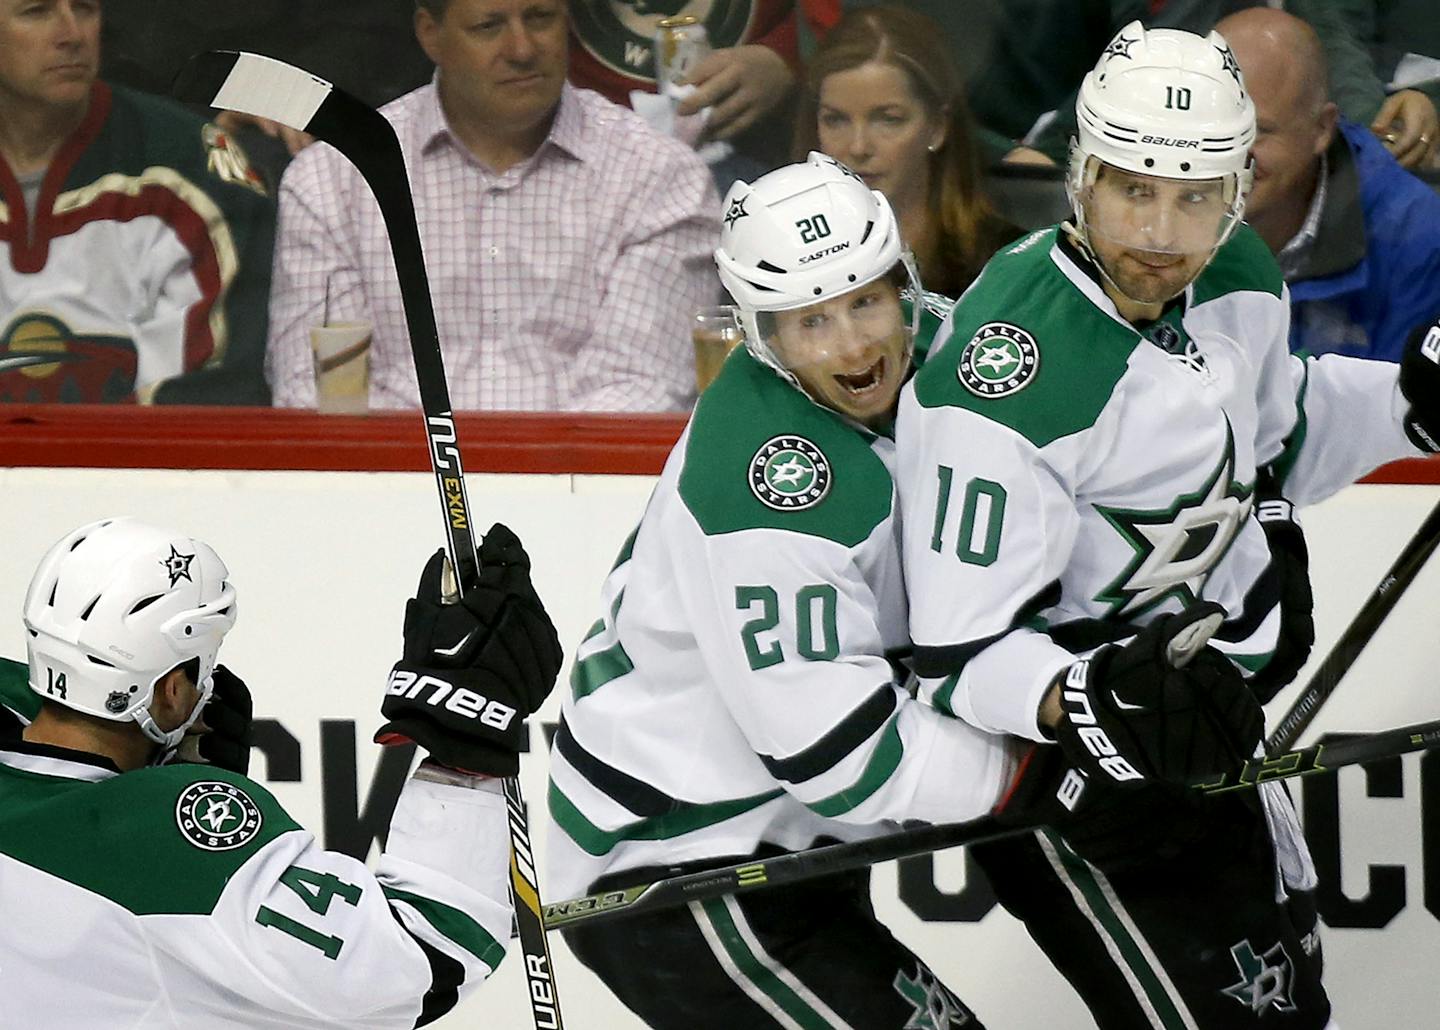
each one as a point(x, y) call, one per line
point(1056, 464)
point(185, 897)
point(740, 688)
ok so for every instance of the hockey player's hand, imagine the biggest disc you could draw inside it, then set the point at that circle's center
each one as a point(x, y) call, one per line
point(1291, 560)
point(223, 734)
point(473, 670)
point(1104, 823)
point(1164, 706)
point(1420, 383)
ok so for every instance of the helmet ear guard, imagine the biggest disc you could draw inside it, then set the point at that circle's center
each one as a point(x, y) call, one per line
point(116, 605)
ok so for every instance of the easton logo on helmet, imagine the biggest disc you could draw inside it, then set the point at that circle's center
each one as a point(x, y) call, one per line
point(999, 360)
point(789, 473)
point(217, 816)
point(823, 253)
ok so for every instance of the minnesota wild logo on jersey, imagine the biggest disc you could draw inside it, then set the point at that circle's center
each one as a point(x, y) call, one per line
point(217, 816)
point(789, 473)
point(1177, 546)
point(999, 360)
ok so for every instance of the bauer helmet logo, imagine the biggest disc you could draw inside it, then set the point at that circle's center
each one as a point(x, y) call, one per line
point(999, 360)
point(789, 473)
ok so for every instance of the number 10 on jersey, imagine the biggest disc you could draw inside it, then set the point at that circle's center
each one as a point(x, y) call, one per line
point(982, 514)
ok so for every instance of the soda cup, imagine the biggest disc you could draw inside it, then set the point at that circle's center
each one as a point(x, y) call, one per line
point(680, 44)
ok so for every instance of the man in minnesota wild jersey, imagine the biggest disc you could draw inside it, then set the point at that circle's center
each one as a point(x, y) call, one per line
point(1077, 468)
point(739, 695)
point(142, 892)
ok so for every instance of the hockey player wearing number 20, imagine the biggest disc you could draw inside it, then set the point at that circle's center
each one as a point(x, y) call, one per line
point(737, 697)
point(1077, 466)
point(145, 885)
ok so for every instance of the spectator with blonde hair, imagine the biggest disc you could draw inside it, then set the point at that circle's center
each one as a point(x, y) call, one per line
point(883, 95)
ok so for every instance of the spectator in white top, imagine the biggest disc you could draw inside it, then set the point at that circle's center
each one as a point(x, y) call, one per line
point(567, 244)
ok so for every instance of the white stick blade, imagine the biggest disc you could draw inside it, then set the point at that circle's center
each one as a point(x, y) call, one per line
point(263, 87)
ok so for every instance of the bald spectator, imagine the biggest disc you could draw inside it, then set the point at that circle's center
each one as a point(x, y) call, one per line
point(567, 243)
point(1357, 237)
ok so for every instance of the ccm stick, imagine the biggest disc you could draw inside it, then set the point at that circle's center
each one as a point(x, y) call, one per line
point(268, 88)
point(837, 858)
point(1367, 620)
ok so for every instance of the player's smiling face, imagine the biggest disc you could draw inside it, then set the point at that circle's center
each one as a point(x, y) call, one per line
point(1153, 235)
point(850, 353)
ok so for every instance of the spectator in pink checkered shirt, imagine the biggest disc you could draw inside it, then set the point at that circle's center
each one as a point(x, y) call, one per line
point(566, 242)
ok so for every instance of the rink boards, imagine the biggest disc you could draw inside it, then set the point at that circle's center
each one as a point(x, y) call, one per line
point(323, 562)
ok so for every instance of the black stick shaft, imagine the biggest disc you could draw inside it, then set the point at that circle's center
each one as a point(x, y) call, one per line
point(837, 858)
point(1357, 635)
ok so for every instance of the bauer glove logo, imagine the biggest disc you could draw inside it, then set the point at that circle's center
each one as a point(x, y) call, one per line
point(460, 700)
point(1075, 700)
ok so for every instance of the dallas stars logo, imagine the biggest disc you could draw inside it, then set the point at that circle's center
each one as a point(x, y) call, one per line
point(1178, 546)
point(737, 211)
point(789, 473)
point(1227, 58)
point(217, 816)
point(935, 1007)
point(1264, 979)
point(1120, 47)
point(999, 360)
point(177, 566)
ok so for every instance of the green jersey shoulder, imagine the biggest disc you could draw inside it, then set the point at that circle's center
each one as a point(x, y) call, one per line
point(15, 692)
point(1243, 265)
point(761, 455)
point(1027, 349)
point(157, 840)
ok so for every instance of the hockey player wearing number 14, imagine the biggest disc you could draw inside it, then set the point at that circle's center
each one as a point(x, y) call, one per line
point(1077, 467)
point(146, 883)
point(737, 697)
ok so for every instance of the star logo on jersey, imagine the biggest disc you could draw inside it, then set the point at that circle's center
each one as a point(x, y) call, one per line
point(1227, 59)
point(936, 1008)
point(1120, 47)
point(789, 473)
point(1264, 979)
point(217, 816)
point(177, 566)
point(1177, 547)
point(999, 360)
point(737, 211)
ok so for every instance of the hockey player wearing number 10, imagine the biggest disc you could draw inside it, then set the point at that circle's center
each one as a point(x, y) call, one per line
point(1077, 467)
point(737, 696)
point(146, 884)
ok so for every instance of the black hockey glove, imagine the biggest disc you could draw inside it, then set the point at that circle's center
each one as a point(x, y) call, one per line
point(1420, 383)
point(473, 670)
point(1290, 559)
point(1109, 825)
point(224, 732)
point(1163, 707)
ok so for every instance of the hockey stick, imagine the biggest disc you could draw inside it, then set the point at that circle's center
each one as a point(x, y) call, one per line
point(1367, 620)
point(271, 89)
point(838, 858)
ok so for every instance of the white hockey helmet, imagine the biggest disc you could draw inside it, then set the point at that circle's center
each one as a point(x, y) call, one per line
point(1170, 104)
point(803, 234)
point(113, 607)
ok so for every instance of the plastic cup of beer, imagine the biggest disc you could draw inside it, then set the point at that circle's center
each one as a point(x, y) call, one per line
point(715, 331)
point(342, 366)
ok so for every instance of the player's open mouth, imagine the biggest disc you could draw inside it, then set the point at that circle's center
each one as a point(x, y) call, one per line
point(863, 382)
